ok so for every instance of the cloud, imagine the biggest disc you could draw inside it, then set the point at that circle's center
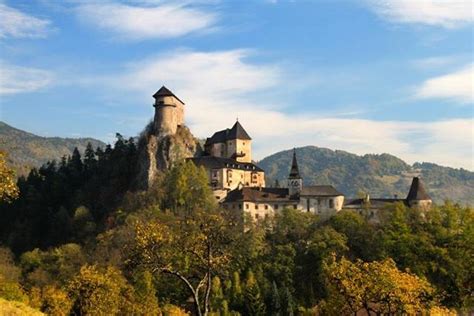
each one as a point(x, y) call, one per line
point(17, 79)
point(146, 22)
point(219, 86)
point(457, 86)
point(16, 24)
point(447, 14)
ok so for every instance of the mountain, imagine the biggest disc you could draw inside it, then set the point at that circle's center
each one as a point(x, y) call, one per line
point(379, 175)
point(26, 150)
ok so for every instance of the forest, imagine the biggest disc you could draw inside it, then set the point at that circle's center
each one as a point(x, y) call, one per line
point(78, 238)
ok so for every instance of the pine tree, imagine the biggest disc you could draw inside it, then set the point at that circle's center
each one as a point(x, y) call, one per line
point(253, 301)
point(275, 301)
point(288, 304)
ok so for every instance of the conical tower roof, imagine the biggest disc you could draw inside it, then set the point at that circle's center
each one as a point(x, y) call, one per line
point(294, 171)
point(417, 191)
point(165, 92)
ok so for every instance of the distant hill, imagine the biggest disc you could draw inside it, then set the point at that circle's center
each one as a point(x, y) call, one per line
point(26, 150)
point(380, 175)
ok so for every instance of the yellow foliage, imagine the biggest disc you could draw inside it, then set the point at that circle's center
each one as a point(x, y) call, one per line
point(173, 310)
point(8, 188)
point(377, 287)
point(11, 308)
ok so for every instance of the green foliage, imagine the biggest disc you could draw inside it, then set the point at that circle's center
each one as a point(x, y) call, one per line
point(254, 304)
point(71, 200)
point(186, 189)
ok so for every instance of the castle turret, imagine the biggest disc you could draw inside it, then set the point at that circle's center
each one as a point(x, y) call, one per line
point(169, 112)
point(234, 143)
point(417, 195)
point(295, 182)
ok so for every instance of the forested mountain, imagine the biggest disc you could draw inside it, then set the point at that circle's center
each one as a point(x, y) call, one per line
point(26, 150)
point(380, 175)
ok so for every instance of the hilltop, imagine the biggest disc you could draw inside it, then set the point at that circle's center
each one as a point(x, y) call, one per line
point(381, 175)
point(26, 150)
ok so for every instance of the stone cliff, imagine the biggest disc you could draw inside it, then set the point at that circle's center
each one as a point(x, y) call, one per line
point(159, 152)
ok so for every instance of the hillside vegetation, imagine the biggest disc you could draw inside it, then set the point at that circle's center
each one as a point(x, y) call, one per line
point(26, 150)
point(79, 239)
point(380, 175)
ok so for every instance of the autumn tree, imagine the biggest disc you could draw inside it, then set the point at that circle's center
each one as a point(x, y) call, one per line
point(8, 189)
point(375, 287)
point(192, 249)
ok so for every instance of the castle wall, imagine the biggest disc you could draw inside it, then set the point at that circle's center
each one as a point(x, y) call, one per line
point(240, 146)
point(260, 210)
point(323, 206)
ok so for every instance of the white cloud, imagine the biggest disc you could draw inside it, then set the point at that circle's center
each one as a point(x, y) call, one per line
point(444, 13)
point(16, 24)
point(217, 87)
point(458, 86)
point(135, 22)
point(16, 79)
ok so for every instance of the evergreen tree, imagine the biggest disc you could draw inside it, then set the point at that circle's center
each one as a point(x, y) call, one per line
point(253, 300)
point(288, 304)
point(275, 307)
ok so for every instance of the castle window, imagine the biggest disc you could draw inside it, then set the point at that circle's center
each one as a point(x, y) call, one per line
point(246, 206)
point(266, 206)
point(256, 206)
point(240, 206)
point(257, 216)
point(331, 203)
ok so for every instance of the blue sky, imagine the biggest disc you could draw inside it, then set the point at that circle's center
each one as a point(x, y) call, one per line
point(363, 76)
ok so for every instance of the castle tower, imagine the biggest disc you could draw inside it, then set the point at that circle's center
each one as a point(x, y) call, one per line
point(295, 182)
point(239, 144)
point(233, 143)
point(169, 112)
point(417, 195)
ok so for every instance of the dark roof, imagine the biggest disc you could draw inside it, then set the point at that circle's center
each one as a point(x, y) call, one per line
point(319, 190)
point(212, 162)
point(294, 171)
point(236, 132)
point(373, 202)
point(417, 191)
point(254, 194)
point(165, 92)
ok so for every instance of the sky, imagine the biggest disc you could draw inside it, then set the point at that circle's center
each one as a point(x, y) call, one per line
point(364, 76)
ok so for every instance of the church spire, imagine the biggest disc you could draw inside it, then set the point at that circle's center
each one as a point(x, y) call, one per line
point(294, 171)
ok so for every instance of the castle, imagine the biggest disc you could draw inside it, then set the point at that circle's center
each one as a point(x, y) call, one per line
point(239, 184)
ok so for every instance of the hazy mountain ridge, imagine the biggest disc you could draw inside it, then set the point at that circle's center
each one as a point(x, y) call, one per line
point(381, 175)
point(26, 150)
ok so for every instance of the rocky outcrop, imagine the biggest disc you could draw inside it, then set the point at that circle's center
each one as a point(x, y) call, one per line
point(159, 152)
